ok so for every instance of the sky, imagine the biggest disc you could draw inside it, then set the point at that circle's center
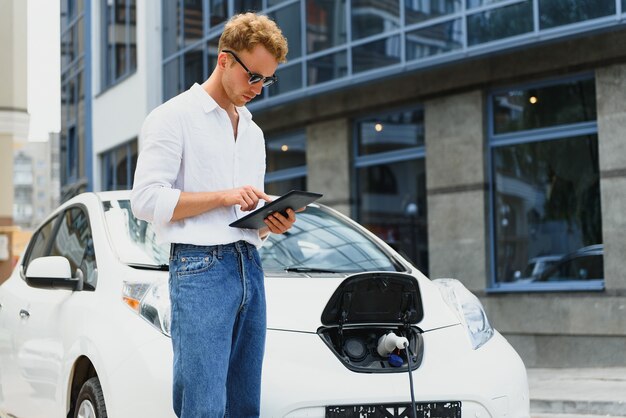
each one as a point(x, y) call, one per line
point(43, 60)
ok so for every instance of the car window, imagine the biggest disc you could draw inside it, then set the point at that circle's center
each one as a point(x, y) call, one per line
point(74, 241)
point(320, 240)
point(38, 246)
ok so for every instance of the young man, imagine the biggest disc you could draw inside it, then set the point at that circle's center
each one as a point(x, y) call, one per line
point(201, 166)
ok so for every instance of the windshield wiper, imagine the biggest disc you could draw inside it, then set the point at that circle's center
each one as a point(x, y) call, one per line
point(160, 267)
point(304, 269)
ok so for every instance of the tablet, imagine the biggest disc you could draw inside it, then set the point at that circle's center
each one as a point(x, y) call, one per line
point(294, 199)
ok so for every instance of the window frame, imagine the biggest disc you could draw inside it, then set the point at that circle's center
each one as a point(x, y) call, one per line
point(109, 60)
point(495, 141)
point(110, 155)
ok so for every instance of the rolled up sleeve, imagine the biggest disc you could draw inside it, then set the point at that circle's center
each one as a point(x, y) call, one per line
point(154, 197)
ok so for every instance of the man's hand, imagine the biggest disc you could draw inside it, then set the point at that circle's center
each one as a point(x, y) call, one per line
point(247, 197)
point(277, 223)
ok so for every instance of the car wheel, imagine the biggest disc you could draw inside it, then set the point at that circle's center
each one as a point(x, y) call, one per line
point(90, 402)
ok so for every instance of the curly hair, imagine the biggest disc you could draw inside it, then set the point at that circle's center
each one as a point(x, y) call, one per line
point(245, 31)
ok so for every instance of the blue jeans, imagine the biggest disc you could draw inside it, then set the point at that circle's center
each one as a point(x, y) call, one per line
point(218, 329)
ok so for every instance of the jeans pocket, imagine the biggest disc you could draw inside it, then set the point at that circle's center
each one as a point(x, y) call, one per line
point(256, 259)
point(190, 264)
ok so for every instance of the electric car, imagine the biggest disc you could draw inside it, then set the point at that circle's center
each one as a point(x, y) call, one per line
point(353, 329)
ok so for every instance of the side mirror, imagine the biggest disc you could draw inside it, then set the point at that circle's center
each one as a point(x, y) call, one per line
point(52, 272)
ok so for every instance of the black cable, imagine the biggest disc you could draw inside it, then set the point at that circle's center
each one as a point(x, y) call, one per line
point(408, 358)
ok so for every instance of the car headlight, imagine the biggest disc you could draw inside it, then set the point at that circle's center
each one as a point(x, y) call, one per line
point(151, 301)
point(468, 308)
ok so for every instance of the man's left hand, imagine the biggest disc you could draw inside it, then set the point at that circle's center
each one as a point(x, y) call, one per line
point(277, 223)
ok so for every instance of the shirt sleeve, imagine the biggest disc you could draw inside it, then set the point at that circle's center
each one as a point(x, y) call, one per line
point(154, 197)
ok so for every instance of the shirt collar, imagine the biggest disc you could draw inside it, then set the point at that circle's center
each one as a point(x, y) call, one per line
point(208, 104)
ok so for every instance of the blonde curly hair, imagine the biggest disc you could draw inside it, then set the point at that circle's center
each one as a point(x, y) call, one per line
point(246, 30)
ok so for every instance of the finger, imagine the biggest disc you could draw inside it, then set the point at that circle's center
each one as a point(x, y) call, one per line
point(301, 209)
point(291, 216)
point(273, 228)
point(253, 197)
point(246, 202)
point(261, 195)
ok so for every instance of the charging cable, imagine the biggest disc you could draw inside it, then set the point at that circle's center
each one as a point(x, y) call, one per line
point(408, 359)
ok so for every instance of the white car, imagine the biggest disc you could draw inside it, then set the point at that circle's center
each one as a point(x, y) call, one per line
point(84, 326)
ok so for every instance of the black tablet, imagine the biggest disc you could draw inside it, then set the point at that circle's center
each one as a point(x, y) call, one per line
point(294, 199)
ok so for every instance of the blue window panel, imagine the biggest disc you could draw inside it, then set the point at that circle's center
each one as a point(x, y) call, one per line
point(193, 68)
point(289, 79)
point(395, 131)
point(376, 54)
point(286, 151)
point(172, 26)
point(562, 12)
point(416, 11)
point(325, 24)
point(289, 20)
point(193, 21)
point(546, 206)
point(434, 40)
point(327, 68)
point(218, 10)
point(242, 6)
point(172, 78)
point(471, 4)
point(544, 106)
point(372, 17)
point(500, 23)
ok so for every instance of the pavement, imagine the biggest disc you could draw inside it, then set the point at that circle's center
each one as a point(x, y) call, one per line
point(577, 393)
point(571, 393)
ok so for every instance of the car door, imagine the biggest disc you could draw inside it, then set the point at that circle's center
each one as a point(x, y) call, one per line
point(15, 296)
point(41, 353)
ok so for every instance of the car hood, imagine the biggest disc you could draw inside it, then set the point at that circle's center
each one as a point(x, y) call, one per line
point(298, 304)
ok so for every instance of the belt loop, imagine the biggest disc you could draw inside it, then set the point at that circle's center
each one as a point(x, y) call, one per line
point(172, 248)
point(219, 251)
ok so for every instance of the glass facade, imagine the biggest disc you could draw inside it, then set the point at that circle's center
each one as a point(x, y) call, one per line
point(118, 166)
point(390, 181)
point(330, 41)
point(285, 158)
point(546, 212)
point(119, 43)
point(75, 141)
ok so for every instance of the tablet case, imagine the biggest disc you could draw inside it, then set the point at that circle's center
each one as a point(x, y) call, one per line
point(294, 199)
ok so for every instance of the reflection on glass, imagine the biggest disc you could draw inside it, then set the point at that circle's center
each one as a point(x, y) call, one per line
point(419, 10)
point(194, 72)
point(211, 55)
point(289, 78)
point(543, 107)
point(395, 131)
point(327, 68)
point(325, 24)
point(547, 205)
point(192, 21)
point(376, 54)
point(288, 19)
point(391, 202)
point(286, 151)
point(562, 12)
point(371, 17)
point(271, 3)
point(434, 40)
point(73, 241)
point(320, 240)
point(135, 240)
point(39, 244)
point(280, 187)
point(121, 169)
point(499, 23)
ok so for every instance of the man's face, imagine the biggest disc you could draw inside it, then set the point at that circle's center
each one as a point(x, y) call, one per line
point(235, 77)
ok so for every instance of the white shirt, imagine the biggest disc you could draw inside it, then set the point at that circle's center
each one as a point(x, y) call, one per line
point(188, 144)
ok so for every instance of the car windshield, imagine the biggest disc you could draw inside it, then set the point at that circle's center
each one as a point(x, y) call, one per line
point(318, 242)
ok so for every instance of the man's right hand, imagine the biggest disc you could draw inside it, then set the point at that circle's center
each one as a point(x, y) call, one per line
point(247, 197)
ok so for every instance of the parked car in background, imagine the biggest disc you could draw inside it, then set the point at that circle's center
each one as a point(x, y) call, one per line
point(536, 266)
point(583, 264)
point(85, 325)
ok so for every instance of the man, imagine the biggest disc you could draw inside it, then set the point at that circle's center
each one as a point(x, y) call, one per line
point(201, 166)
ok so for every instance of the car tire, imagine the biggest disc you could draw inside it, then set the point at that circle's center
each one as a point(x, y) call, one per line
point(90, 402)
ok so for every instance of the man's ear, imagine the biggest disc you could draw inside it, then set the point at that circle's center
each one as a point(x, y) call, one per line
point(222, 60)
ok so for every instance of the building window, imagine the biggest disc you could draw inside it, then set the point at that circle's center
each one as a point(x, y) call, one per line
point(286, 163)
point(118, 166)
point(545, 187)
point(390, 187)
point(119, 40)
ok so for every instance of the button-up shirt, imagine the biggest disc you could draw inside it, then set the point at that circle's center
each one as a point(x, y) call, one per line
point(188, 144)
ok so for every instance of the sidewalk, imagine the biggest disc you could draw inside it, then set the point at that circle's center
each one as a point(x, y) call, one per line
point(577, 393)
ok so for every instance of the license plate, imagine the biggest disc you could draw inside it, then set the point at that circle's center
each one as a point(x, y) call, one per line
point(423, 410)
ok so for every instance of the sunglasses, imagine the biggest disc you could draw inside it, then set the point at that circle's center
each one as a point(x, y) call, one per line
point(254, 77)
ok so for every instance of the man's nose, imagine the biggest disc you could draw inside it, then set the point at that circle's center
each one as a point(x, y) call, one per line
point(257, 88)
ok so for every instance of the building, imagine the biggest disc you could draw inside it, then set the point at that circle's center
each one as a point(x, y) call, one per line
point(482, 139)
point(13, 116)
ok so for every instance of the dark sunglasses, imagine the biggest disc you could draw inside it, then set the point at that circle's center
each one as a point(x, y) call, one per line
point(254, 77)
